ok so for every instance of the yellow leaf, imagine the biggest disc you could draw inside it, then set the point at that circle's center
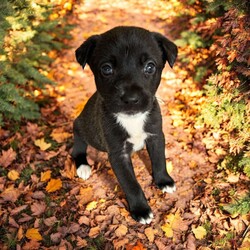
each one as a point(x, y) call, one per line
point(33, 234)
point(167, 229)
point(13, 175)
point(53, 185)
point(199, 232)
point(92, 205)
point(169, 166)
point(45, 176)
point(42, 144)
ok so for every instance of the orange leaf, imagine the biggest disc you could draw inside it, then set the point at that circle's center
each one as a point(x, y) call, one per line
point(45, 176)
point(53, 185)
point(33, 234)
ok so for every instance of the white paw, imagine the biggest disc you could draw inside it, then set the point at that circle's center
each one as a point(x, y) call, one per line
point(147, 220)
point(169, 189)
point(84, 171)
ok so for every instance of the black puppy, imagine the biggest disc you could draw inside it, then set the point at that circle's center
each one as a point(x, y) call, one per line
point(123, 114)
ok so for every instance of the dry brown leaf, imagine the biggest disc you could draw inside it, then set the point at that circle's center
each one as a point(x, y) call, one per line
point(85, 196)
point(7, 157)
point(32, 244)
point(81, 242)
point(56, 237)
point(84, 220)
point(94, 232)
point(50, 221)
point(39, 195)
point(12, 222)
point(121, 231)
point(53, 185)
point(33, 234)
point(18, 209)
point(190, 242)
point(69, 169)
point(120, 243)
point(38, 208)
point(149, 232)
point(13, 175)
point(73, 228)
point(10, 194)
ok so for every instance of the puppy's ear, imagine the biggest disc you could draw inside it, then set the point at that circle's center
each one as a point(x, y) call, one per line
point(169, 49)
point(84, 52)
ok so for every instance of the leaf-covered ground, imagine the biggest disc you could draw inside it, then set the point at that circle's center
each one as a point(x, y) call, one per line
point(43, 205)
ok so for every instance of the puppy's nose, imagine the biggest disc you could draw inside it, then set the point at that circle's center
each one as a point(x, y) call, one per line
point(132, 98)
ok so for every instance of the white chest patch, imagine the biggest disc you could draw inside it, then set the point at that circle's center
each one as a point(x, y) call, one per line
point(134, 125)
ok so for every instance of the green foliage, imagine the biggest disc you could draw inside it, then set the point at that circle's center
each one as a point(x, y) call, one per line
point(215, 53)
point(241, 206)
point(27, 35)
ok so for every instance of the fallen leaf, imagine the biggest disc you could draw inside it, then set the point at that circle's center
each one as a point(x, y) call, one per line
point(7, 157)
point(149, 232)
point(45, 176)
point(92, 205)
point(81, 242)
point(199, 232)
point(33, 234)
point(69, 169)
point(13, 175)
point(233, 178)
point(42, 144)
point(169, 166)
point(10, 194)
point(86, 195)
point(53, 185)
point(59, 135)
point(167, 229)
point(18, 209)
point(94, 232)
point(121, 231)
point(50, 221)
point(56, 237)
point(20, 233)
point(38, 208)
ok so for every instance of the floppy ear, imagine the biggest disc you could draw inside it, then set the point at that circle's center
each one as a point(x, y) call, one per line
point(169, 49)
point(84, 52)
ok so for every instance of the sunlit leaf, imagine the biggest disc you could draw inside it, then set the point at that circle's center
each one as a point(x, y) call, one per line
point(33, 234)
point(45, 176)
point(199, 232)
point(13, 175)
point(54, 185)
point(42, 144)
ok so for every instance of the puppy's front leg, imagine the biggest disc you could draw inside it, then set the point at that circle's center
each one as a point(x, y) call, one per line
point(156, 149)
point(123, 169)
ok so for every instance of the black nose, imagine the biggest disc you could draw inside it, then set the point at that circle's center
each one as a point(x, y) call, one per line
point(130, 98)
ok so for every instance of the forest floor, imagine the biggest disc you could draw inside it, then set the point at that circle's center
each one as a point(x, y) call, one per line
point(43, 205)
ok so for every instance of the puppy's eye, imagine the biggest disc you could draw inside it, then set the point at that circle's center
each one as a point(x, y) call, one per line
point(150, 68)
point(107, 69)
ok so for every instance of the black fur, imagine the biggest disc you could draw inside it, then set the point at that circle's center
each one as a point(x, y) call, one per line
point(127, 63)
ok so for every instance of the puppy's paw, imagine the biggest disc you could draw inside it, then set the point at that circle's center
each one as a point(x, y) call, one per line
point(143, 217)
point(83, 171)
point(169, 189)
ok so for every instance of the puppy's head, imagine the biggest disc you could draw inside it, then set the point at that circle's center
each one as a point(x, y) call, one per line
point(127, 63)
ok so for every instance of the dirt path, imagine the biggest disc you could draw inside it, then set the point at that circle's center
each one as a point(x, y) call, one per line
point(186, 155)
